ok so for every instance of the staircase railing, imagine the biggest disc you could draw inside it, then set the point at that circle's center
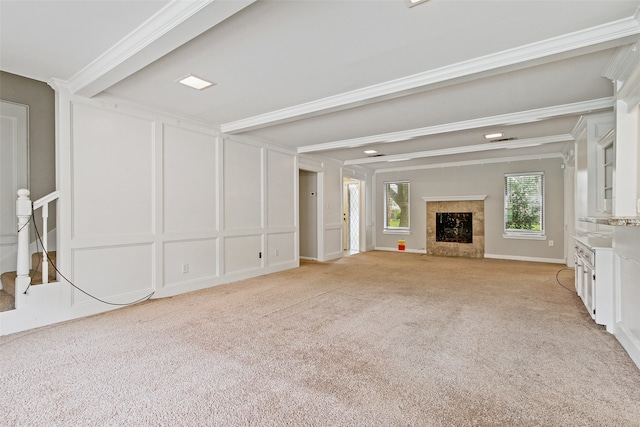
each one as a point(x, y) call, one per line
point(43, 203)
point(24, 210)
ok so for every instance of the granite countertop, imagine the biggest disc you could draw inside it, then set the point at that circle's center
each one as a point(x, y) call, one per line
point(623, 221)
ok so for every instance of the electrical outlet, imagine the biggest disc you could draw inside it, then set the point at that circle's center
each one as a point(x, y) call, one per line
point(185, 268)
point(550, 242)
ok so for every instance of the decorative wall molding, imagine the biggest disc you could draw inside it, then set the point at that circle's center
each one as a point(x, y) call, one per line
point(454, 198)
point(569, 44)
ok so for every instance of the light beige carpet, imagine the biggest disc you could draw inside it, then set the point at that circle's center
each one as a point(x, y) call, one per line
point(376, 339)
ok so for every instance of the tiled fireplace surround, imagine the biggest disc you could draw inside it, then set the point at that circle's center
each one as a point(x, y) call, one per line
point(473, 204)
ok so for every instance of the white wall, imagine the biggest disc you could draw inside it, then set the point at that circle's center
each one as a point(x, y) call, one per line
point(627, 289)
point(157, 204)
point(626, 240)
point(479, 180)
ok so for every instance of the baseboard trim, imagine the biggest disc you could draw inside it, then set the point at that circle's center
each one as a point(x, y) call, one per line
point(629, 342)
point(411, 251)
point(525, 258)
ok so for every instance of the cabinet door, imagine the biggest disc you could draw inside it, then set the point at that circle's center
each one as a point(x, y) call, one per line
point(588, 290)
point(579, 276)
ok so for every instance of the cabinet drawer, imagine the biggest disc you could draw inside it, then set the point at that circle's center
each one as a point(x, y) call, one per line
point(585, 253)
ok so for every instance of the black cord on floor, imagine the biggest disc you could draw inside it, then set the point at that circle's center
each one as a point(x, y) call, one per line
point(560, 283)
point(71, 283)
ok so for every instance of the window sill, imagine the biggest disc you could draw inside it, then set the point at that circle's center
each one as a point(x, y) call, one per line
point(388, 231)
point(524, 236)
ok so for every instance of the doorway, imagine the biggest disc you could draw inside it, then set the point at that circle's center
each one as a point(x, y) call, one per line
point(308, 214)
point(351, 216)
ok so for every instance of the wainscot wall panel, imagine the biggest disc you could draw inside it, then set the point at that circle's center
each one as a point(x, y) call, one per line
point(189, 260)
point(242, 186)
point(242, 254)
point(112, 173)
point(281, 247)
point(627, 240)
point(332, 210)
point(189, 166)
point(99, 271)
point(280, 189)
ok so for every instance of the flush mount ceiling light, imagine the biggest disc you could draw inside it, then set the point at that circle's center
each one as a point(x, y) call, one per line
point(412, 3)
point(370, 151)
point(195, 82)
point(493, 135)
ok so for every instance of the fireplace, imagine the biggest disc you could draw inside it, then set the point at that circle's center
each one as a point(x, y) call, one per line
point(455, 226)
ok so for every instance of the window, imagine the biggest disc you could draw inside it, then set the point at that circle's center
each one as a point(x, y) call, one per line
point(396, 206)
point(524, 205)
point(608, 176)
point(605, 158)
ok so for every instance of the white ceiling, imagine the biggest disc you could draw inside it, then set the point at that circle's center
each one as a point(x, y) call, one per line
point(338, 77)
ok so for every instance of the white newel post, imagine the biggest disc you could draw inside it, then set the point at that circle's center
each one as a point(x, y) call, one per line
point(23, 209)
point(45, 247)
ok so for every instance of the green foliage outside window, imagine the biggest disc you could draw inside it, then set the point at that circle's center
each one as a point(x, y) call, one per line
point(397, 205)
point(524, 203)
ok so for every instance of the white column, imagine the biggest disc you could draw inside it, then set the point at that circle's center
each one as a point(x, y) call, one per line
point(626, 165)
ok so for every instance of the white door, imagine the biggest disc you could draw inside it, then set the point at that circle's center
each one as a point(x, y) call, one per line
point(14, 173)
point(351, 215)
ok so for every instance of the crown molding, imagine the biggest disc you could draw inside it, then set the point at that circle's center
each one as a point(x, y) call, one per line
point(521, 117)
point(613, 31)
point(58, 85)
point(488, 146)
point(630, 91)
point(175, 24)
point(476, 162)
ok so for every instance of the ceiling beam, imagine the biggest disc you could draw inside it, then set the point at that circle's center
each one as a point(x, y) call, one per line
point(474, 162)
point(608, 35)
point(517, 118)
point(174, 25)
point(488, 146)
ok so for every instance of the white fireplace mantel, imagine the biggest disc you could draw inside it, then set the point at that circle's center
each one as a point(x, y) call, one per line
point(453, 198)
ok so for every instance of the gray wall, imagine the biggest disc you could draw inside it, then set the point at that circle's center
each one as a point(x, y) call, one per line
point(475, 180)
point(308, 214)
point(40, 98)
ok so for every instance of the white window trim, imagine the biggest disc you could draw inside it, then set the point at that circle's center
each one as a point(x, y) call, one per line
point(404, 231)
point(519, 236)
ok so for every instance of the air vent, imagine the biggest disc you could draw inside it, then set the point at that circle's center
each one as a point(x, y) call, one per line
point(377, 155)
point(503, 139)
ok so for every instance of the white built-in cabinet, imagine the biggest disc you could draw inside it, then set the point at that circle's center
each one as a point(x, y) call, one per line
point(594, 278)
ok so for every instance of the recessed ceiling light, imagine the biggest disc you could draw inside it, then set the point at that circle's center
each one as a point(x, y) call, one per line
point(370, 151)
point(412, 3)
point(493, 135)
point(195, 82)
